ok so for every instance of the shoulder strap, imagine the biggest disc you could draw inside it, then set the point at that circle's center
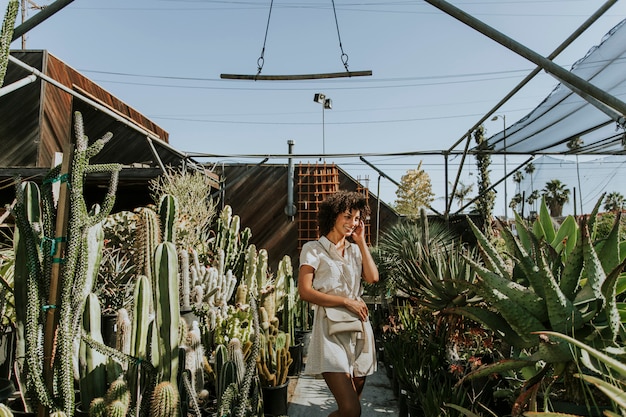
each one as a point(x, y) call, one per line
point(343, 277)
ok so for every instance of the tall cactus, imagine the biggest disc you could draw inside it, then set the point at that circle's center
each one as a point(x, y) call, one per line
point(73, 267)
point(168, 210)
point(148, 237)
point(139, 335)
point(93, 364)
point(27, 274)
point(167, 311)
point(6, 36)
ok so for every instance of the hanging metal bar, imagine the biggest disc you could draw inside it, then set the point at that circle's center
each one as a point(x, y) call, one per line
point(586, 89)
point(258, 77)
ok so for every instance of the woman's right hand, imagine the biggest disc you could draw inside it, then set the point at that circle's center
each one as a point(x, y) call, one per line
point(358, 307)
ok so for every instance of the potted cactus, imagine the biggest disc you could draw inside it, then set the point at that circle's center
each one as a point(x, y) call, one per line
point(273, 367)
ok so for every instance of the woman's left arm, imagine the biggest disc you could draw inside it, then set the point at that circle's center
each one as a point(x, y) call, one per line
point(370, 271)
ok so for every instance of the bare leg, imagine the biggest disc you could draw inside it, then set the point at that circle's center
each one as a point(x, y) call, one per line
point(359, 384)
point(345, 393)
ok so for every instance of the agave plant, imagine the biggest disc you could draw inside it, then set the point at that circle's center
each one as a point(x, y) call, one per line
point(563, 281)
point(425, 260)
point(610, 373)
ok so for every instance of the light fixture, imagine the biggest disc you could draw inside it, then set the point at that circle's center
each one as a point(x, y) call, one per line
point(327, 104)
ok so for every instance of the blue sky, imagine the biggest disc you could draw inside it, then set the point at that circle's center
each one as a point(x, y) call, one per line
point(433, 77)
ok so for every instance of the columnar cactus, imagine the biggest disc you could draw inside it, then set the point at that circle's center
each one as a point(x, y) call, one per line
point(72, 264)
point(93, 377)
point(194, 358)
point(168, 210)
point(185, 280)
point(139, 335)
point(6, 36)
point(167, 312)
point(148, 237)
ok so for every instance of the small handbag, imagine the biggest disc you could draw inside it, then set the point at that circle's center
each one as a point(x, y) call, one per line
point(340, 320)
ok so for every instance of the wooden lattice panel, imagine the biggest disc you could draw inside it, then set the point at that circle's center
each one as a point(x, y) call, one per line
point(315, 183)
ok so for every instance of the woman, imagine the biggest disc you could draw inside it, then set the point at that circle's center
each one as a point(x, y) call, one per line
point(331, 270)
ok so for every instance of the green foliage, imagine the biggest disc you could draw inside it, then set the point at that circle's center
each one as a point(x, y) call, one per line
point(614, 202)
point(114, 286)
point(563, 282)
point(556, 195)
point(192, 190)
point(414, 192)
point(424, 260)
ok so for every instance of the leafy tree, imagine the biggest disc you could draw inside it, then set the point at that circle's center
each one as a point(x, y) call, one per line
point(556, 194)
point(486, 199)
point(415, 191)
point(614, 202)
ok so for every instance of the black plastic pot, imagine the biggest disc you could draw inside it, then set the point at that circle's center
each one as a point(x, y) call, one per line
point(296, 355)
point(275, 400)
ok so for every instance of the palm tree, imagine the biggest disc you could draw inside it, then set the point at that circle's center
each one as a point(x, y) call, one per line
point(614, 202)
point(529, 169)
point(556, 195)
point(515, 201)
point(462, 191)
point(532, 197)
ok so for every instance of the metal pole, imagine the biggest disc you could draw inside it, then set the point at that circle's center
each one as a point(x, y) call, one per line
point(506, 199)
point(378, 209)
point(45, 13)
point(323, 133)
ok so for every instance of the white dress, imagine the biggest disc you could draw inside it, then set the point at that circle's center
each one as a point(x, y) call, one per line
point(352, 353)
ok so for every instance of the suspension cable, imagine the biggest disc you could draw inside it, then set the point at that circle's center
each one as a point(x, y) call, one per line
point(261, 59)
point(344, 56)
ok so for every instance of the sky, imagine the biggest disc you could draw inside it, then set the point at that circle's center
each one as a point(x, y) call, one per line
point(432, 79)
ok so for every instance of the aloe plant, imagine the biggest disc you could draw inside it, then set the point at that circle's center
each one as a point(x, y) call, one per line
point(559, 283)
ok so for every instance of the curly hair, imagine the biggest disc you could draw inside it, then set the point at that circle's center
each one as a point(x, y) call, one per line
point(338, 203)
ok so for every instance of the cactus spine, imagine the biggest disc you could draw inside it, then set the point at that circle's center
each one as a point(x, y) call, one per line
point(165, 401)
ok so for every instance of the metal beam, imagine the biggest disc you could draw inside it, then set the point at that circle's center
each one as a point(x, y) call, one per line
point(39, 17)
point(567, 42)
point(583, 87)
